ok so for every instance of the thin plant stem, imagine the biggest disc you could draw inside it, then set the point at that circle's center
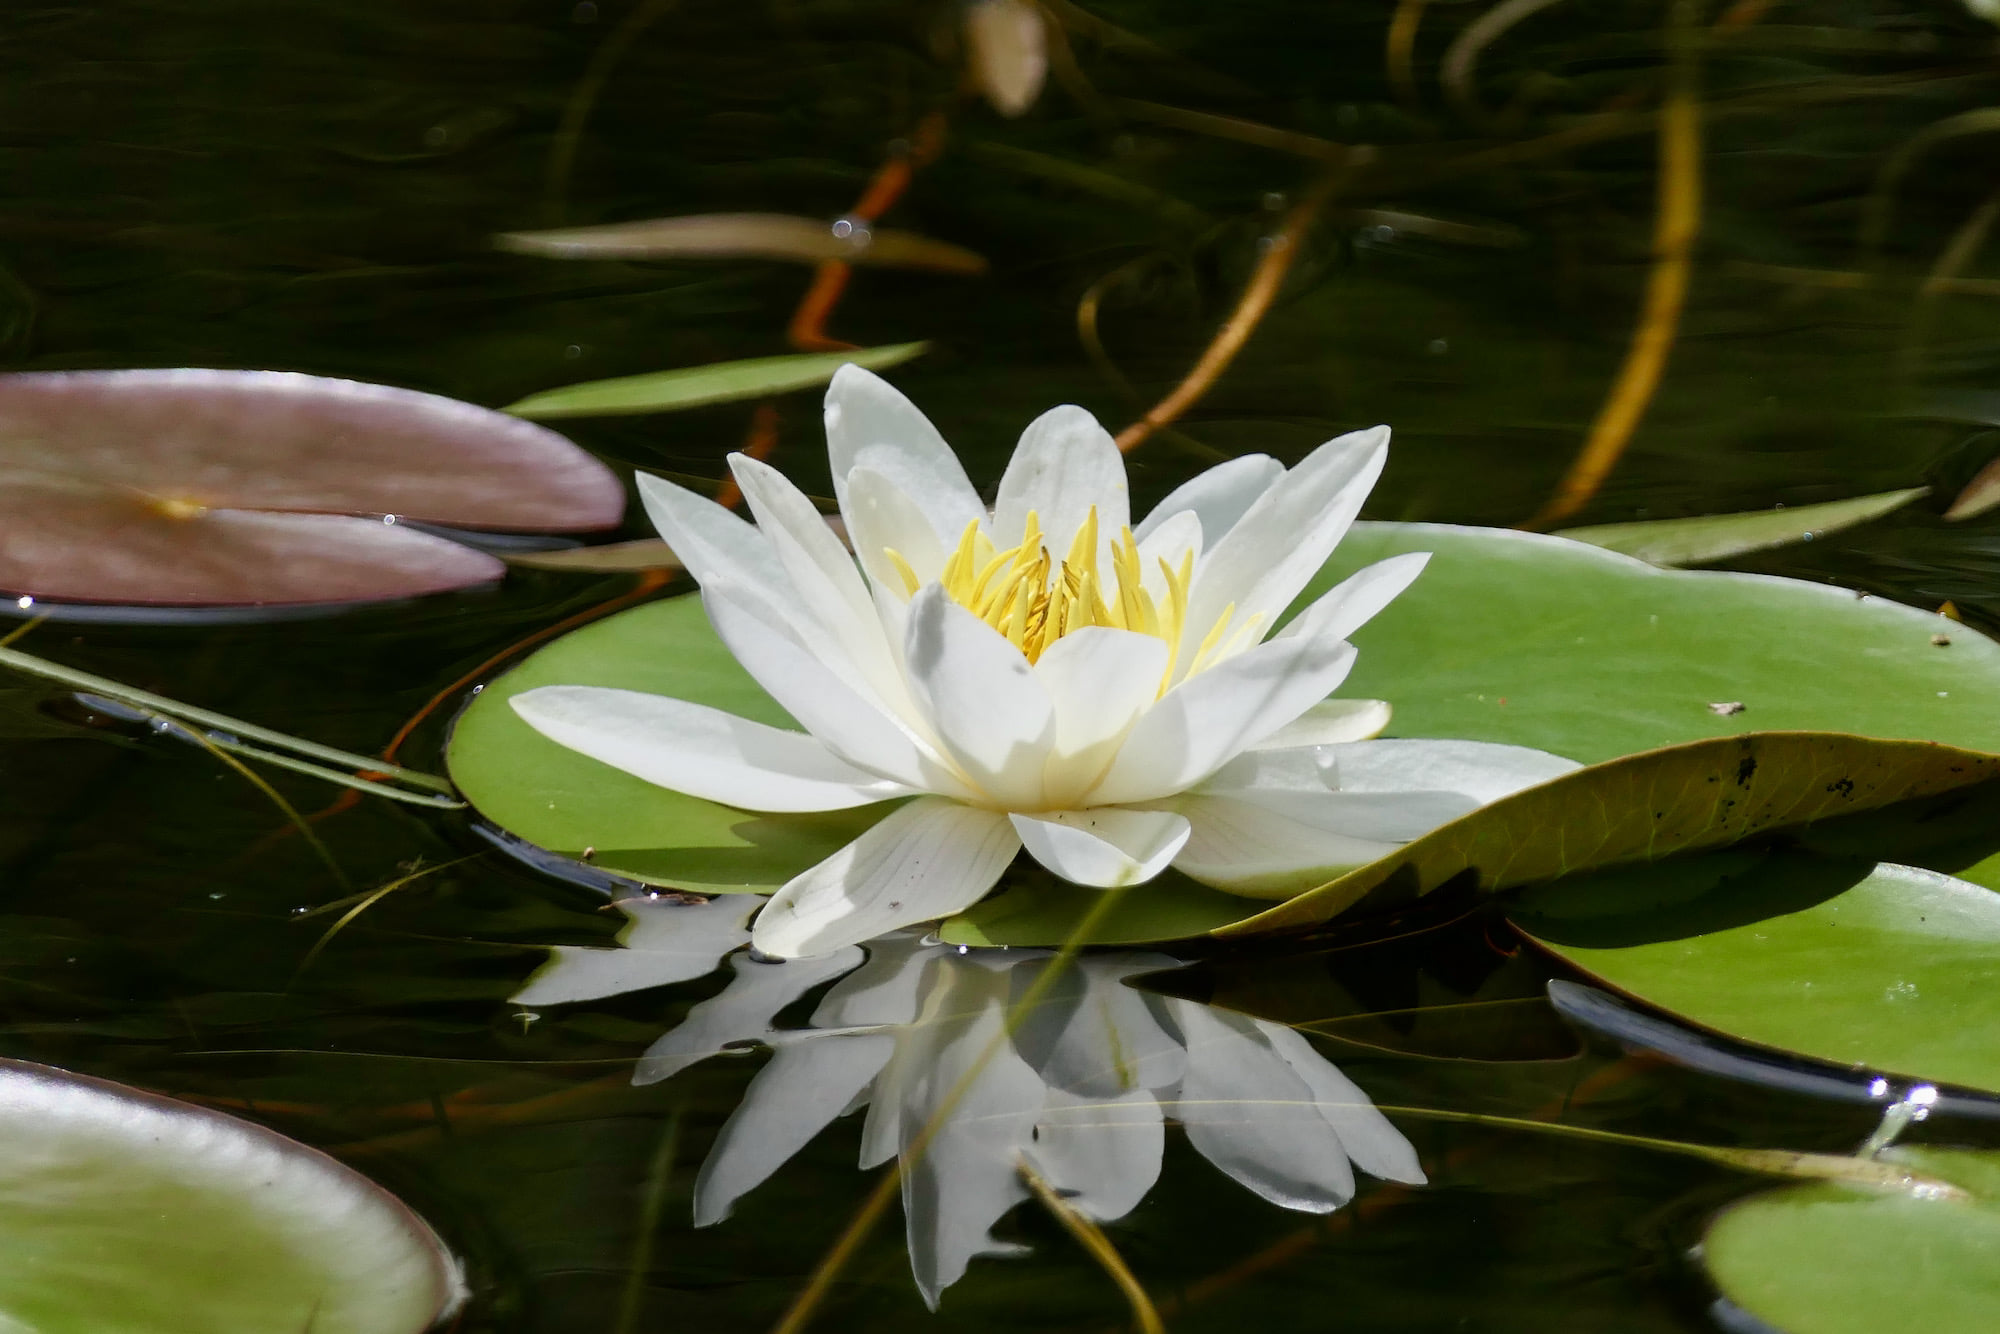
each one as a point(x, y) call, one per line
point(1251, 307)
point(1461, 59)
point(805, 1305)
point(276, 798)
point(236, 727)
point(22, 631)
point(651, 1204)
point(1957, 256)
point(1676, 225)
point(1399, 51)
point(367, 901)
point(1145, 1316)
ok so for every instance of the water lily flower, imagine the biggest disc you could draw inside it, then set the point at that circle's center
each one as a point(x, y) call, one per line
point(1081, 1091)
point(1113, 697)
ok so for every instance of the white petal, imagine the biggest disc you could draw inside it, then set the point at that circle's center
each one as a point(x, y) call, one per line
point(1376, 1146)
point(1092, 1035)
point(1260, 565)
point(1102, 1154)
point(1169, 543)
point(1218, 497)
point(927, 859)
point(1250, 1114)
point(854, 726)
point(1105, 847)
point(701, 751)
point(794, 1097)
point(821, 570)
point(984, 701)
point(1353, 602)
point(1299, 784)
point(740, 1013)
point(1206, 721)
point(664, 941)
point(871, 425)
point(1099, 680)
point(1245, 847)
point(1485, 771)
point(1331, 721)
point(708, 539)
point(880, 519)
point(1064, 465)
point(882, 990)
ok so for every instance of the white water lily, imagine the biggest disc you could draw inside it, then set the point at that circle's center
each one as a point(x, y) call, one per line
point(1081, 1090)
point(1045, 675)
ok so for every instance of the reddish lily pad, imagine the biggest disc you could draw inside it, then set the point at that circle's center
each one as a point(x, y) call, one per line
point(230, 488)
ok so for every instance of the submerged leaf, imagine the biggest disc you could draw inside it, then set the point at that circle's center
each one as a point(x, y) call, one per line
point(647, 553)
point(199, 487)
point(696, 386)
point(1719, 536)
point(126, 1211)
point(747, 236)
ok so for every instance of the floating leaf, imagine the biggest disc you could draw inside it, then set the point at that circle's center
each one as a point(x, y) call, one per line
point(1981, 494)
point(1839, 1259)
point(1506, 637)
point(200, 487)
point(1884, 967)
point(695, 386)
point(130, 1212)
point(747, 236)
point(1645, 808)
point(1719, 536)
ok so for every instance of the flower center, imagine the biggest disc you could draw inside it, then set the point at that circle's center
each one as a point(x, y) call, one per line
point(1034, 599)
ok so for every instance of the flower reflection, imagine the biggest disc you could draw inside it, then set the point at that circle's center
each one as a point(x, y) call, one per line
point(917, 1035)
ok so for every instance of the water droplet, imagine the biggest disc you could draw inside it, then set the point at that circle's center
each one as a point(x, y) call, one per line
point(1384, 233)
point(1437, 347)
point(1274, 201)
point(24, 602)
point(389, 519)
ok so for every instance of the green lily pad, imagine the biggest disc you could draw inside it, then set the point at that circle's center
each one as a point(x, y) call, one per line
point(127, 1213)
point(567, 803)
point(1507, 637)
point(1879, 966)
point(1837, 1259)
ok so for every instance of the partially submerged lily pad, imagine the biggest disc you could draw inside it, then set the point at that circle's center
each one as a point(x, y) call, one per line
point(1839, 1259)
point(748, 236)
point(123, 1211)
point(223, 488)
point(1507, 637)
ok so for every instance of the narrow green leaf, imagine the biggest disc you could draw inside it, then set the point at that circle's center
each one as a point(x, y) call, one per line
point(696, 386)
point(1719, 536)
point(1981, 494)
point(647, 553)
point(748, 236)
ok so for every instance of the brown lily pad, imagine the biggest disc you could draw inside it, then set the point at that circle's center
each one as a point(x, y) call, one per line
point(233, 488)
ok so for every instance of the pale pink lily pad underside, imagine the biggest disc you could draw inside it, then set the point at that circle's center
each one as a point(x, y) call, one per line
point(229, 488)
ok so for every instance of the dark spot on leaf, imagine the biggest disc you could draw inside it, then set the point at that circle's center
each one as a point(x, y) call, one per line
point(1746, 770)
point(1844, 786)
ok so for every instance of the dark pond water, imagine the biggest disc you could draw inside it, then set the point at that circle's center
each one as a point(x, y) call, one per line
point(314, 186)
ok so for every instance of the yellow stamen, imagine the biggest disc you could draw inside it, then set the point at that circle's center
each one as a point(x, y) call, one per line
point(903, 571)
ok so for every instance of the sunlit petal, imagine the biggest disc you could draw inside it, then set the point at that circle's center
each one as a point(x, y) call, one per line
point(1353, 602)
point(1105, 847)
point(869, 424)
point(701, 751)
point(881, 519)
point(1099, 680)
point(1482, 770)
point(989, 709)
point(927, 859)
point(1329, 722)
point(1218, 497)
point(1065, 465)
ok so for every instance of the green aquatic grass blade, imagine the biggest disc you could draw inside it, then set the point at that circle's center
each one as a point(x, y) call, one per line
point(122, 1211)
point(1838, 1259)
point(698, 386)
point(1716, 537)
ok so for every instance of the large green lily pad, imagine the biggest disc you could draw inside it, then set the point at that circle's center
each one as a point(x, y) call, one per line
point(1507, 637)
point(1883, 967)
point(1839, 1259)
point(126, 1213)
